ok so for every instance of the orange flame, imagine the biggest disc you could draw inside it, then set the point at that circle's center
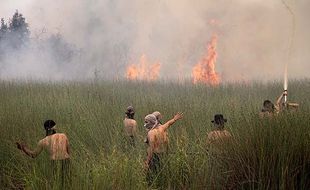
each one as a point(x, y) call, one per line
point(143, 70)
point(204, 70)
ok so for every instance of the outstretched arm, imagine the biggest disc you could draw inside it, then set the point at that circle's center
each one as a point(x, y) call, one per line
point(172, 121)
point(295, 105)
point(28, 151)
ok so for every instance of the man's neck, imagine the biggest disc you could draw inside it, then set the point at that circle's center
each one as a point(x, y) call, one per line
point(51, 132)
point(218, 127)
point(129, 117)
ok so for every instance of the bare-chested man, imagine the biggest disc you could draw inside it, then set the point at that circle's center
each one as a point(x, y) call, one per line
point(166, 137)
point(269, 109)
point(155, 141)
point(130, 125)
point(56, 145)
point(218, 135)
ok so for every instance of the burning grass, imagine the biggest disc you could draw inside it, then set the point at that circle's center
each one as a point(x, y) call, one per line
point(144, 70)
point(264, 154)
point(204, 70)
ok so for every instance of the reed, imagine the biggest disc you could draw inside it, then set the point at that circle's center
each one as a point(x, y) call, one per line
point(263, 154)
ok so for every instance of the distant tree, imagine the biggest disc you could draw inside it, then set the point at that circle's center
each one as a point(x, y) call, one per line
point(62, 51)
point(3, 36)
point(13, 35)
point(3, 29)
point(18, 30)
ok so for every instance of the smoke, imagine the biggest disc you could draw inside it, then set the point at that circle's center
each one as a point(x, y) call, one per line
point(107, 35)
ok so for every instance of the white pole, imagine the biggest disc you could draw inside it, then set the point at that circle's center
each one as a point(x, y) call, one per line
point(290, 49)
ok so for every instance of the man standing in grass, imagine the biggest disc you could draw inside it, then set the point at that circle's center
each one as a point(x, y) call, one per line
point(218, 135)
point(130, 125)
point(269, 109)
point(155, 140)
point(57, 146)
point(165, 135)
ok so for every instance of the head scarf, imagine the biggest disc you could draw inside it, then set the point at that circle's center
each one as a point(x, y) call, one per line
point(151, 121)
point(157, 114)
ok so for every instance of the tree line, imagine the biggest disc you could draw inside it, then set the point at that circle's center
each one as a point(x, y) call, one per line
point(15, 38)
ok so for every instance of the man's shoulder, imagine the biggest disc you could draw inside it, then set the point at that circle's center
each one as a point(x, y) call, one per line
point(127, 120)
point(42, 141)
point(60, 135)
point(218, 133)
point(134, 121)
point(153, 132)
point(226, 133)
point(212, 134)
point(162, 127)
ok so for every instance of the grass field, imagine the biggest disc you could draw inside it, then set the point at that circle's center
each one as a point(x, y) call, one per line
point(264, 153)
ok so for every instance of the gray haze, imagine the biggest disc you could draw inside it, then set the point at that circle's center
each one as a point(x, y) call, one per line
point(253, 37)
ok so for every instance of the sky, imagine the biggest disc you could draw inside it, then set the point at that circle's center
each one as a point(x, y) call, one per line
point(253, 36)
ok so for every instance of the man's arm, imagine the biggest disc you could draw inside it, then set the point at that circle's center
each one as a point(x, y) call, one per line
point(67, 146)
point(278, 103)
point(172, 121)
point(28, 151)
point(295, 105)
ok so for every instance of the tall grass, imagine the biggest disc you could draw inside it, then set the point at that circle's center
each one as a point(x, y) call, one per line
point(263, 154)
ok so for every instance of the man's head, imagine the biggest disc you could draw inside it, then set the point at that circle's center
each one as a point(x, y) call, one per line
point(268, 106)
point(49, 126)
point(130, 112)
point(157, 115)
point(150, 121)
point(219, 121)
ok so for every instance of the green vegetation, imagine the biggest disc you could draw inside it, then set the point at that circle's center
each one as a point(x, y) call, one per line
point(264, 153)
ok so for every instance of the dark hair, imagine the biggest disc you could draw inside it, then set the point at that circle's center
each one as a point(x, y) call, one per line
point(48, 124)
point(130, 115)
point(130, 112)
point(268, 106)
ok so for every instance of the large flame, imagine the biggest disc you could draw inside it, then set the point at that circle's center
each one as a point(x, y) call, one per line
point(143, 70)
point(204, 70)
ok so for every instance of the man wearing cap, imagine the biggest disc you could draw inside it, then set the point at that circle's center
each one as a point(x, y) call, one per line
point(57, 146)
point(155, 142)
point(218, 134)
point(130, 125)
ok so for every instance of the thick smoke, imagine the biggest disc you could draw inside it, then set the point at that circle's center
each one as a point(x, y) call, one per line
point(107, 35)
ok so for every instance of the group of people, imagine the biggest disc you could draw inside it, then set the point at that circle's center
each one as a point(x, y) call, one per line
point(157, 136)
point(157, 140)
point(157, 132)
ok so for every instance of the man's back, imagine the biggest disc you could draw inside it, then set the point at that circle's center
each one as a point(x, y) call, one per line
point(218, 136)
point(130, 126)
point(57, 146)
point(158, 139)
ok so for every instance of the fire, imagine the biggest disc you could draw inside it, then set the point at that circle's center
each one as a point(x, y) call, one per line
point(143, 70)
point(204, 70)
